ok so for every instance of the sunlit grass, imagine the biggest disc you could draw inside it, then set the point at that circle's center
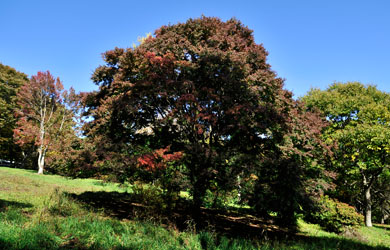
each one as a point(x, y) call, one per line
point(314, 230)
point(38, 212)
point(376, 235)
point(16, 176)
point(26, 185)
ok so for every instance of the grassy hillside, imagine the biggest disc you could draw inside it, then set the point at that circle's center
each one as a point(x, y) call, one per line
point(53, 212)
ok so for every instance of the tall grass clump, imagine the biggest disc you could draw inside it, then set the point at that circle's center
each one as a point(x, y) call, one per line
point(61, 204)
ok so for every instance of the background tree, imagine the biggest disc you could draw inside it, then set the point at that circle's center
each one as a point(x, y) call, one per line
point(291, 167)
point(44, 115)
point(10, 82)
point(359, 119)
point(381, 198)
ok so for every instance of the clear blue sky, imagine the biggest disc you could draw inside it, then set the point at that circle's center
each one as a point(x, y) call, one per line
point(310, 43)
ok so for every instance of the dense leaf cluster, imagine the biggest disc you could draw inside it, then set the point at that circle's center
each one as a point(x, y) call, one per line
point(359, 119)
point(203, 92)
point(334, 216)
point(10, 82)
point(45, 117)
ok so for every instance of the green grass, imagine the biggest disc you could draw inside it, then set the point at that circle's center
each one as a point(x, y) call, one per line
point(377, 235)
point(40, 212)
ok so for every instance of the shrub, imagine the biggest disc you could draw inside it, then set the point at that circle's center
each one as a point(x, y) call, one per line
point(334, 216)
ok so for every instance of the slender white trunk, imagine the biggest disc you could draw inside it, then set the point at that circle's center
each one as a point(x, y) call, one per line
point(367, 216)
point(41, 150)
point(368, 202)
point(41, 160)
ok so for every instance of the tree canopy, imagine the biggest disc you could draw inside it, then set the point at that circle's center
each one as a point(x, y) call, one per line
point(359, 118)
point(198, 100)
point(10, 82)
point(44, 114)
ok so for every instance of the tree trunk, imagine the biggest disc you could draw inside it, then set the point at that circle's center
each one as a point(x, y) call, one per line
point(199, 192)
point(196, 209)
point(384, 218)
point(41, 150)
point(238, 188)
point(41, 160)
point(367, 212)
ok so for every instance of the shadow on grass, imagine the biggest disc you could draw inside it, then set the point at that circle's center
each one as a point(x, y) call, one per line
point(231, 224)
point(4, 205)
point(5, 245)
point(133, 206)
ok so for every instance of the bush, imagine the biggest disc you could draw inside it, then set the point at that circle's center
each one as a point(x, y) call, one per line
point(334, 216)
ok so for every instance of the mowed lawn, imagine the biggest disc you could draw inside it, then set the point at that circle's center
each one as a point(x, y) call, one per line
point(38, 212)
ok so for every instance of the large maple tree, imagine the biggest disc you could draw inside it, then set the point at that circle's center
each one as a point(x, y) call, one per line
point(197, 95)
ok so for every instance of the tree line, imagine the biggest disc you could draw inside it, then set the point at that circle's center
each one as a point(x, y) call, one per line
point(196, 107)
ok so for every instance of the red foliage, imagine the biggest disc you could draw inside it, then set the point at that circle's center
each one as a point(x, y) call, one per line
point(158, 159)
point(205, 88)
point(45, 114)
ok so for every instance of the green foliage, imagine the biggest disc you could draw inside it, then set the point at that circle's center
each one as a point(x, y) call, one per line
point(152, 197)
point(10, 82)
point(359, 119)
point(334, 216)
